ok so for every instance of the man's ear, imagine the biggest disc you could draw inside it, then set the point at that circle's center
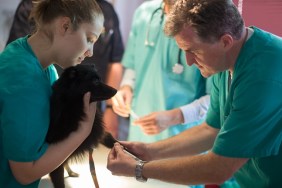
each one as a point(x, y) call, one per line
point(227, 41)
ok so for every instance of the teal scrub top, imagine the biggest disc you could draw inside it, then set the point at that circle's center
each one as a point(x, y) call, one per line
point(157, 87)
point(25, 89)
point(249, 115)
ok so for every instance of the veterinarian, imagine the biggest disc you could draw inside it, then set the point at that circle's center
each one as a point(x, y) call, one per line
point(108, 52)
point(157, 84)
point(21, 27)
point(65, 35)
point(243, 128)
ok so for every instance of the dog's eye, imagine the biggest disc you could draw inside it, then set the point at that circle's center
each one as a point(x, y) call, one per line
point(96, 82)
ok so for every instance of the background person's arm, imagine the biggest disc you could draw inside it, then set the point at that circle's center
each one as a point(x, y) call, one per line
point(114, 75)
point(122, 100)
point(157, 122)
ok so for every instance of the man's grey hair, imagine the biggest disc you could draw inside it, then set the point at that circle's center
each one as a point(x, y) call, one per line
point(210, 19)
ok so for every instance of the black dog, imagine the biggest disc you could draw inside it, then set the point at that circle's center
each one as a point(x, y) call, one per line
point(66, 111)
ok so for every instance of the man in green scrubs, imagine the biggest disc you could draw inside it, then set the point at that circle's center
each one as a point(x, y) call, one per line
point(243, 128)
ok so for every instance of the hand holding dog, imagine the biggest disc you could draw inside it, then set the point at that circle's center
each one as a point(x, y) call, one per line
point(157, 122)
point(90, 111)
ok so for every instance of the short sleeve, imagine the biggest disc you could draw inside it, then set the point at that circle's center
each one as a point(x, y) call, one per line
point(25, 116)
point(52, 74)
point(213, 114)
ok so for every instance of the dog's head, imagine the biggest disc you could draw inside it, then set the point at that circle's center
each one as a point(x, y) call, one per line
point(67, 102)
point(80, 79)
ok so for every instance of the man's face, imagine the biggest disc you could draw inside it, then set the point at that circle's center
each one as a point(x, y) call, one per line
point(208, 57)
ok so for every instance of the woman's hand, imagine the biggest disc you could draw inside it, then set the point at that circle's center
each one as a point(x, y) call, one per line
point(90, 111)
point(122, 101)
point(157, 122)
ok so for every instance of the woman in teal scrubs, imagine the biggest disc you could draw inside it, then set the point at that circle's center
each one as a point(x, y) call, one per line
point(65, 35)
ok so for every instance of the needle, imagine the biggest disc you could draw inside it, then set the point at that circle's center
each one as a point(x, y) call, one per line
point(133, 114)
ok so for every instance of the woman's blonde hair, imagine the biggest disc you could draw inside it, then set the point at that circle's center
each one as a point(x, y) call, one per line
point(79, 11)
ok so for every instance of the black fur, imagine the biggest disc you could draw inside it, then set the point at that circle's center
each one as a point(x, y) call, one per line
point(66, 111)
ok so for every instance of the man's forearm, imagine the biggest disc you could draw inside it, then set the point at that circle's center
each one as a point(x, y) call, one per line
point(190, 142)
point(201, 169)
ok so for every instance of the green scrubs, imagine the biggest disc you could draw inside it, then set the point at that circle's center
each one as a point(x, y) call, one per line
point(157, 87)
point(249, 115)
point(25, 89)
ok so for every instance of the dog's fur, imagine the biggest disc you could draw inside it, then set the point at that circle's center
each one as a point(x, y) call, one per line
point(66, 111)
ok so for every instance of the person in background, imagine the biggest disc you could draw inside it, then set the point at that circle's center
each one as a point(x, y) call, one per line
point(22, 25)
point(157, 85)
point(108, 51)
point(243, 128)
point(64, 35)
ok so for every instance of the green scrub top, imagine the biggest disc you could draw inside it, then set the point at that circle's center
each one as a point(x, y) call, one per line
point(25, 89)
point(157, 87)
point(249, 115)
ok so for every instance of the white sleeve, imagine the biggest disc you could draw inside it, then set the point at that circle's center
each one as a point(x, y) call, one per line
point(196, 110)
point(128, 78)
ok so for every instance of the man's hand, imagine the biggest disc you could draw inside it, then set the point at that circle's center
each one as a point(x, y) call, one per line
point(120, 163)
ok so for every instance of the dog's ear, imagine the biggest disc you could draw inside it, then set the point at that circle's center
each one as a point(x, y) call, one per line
point(83, 78)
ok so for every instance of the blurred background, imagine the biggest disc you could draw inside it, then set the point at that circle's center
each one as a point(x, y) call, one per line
point(266, 14)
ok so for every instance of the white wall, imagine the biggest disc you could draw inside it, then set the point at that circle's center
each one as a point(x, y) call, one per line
point(125, 10)
point(7, 10)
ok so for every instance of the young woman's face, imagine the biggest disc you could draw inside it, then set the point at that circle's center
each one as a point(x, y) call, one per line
point(78, 44)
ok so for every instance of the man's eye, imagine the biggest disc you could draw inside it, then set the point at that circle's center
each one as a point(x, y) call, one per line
point(194, 52)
